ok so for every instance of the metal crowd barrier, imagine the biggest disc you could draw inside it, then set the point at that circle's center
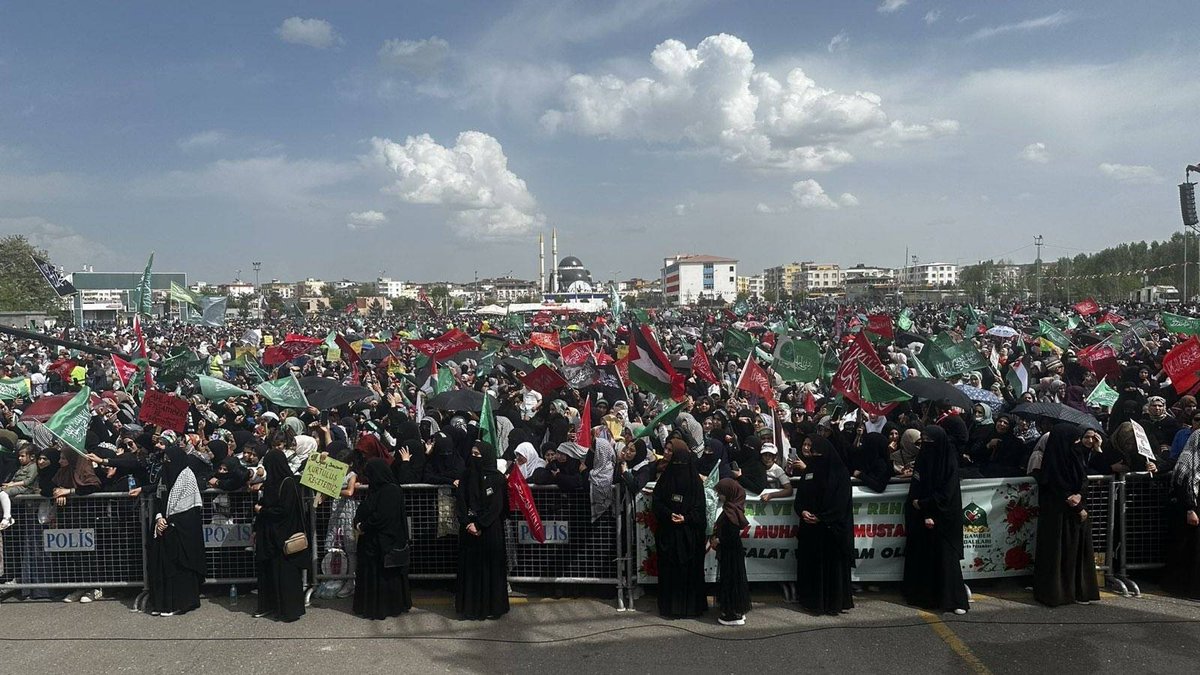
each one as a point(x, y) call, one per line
point(228, 544)
point(1100, 501)
point(1143, 523)
point(94, 541)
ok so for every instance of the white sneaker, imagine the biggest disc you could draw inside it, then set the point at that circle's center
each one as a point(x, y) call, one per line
point(91, 595)
point(74, 596)
point(6, 523)
point(960, 611)
point(740, 621)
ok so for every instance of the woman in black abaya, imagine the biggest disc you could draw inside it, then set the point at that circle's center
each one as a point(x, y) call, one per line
point(825, 551)
point(381, 591)
point(733, 588)
point(176, 561)
point(279, 516)
point(1182, 577)
point(679, 510)
point(482, 559)
point(933, 521)
point(869, 462)
point(1064, 568)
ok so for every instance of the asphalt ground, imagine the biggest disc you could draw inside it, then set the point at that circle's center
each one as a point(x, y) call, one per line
point(1005, 632)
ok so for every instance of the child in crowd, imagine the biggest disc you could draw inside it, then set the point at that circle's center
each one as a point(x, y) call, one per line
point(23, 482)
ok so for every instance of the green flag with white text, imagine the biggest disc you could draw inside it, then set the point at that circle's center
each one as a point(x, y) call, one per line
point(215, 389)
point(487, 424)
point(178, 293)
point(284, 392)
point(1103, 395)
point(738, 343)
point(1174, 323)
point(145, 297)
point(14, 387)
point(797, 360)
point(70, 424)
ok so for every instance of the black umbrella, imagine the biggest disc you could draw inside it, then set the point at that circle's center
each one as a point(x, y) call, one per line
point(324, 393)
point(1060, 412)
point(904, 338)
point(929, 389)
point(468, 354)
point(516, 364)
point(460, 399)
point(378, 352)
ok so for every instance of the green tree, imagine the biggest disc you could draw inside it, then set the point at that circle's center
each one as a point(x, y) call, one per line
point(21, 285)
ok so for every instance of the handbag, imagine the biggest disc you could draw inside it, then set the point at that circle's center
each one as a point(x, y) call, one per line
point(397, 558)
point(298, 542)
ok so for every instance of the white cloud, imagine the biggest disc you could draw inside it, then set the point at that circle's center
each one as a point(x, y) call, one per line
point(365, 220)
point(681, 209)
point(1054, 20)
point(420, 57)
point(712, 98)
point(889, 6)
point(202, 139)
point(1036, 153)
point(932, 16)
point(839, 41)
point(270, 182)
point(66, 247)
point(1131, 173)
point(471, 179)
point(765, 209)
point(808, 194)
point(316, 33)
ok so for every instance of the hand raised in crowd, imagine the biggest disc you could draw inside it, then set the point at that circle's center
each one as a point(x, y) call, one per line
point(1193, 519)
point(404, 453)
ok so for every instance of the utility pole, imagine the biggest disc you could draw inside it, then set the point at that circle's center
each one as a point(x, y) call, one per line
point(257, 265)
point(1037, 241)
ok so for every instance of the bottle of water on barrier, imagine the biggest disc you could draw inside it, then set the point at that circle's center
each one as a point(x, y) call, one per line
point(233, 595)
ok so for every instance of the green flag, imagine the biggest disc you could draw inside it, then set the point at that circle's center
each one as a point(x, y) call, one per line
point(492, 343)
point(1103, 395)
point(829, 365)
point(487, 424)
point(738, 343)
point(183, 364)
point(948, 360)
point(1173, 323)
point(1072, 322)
point(70, 424)
point(641, 316)
point(665, 417)
point(797, 360)
point(284, 392)
point(215, 389)
point(919, 367)
point(255, 370)
point(904, 321)
point(1053, 334)
point(178, 293)
point(875, 389)
point(445, 380)
point(14, 387)
point(741, 307)
point(145, 297)
point(614, 303)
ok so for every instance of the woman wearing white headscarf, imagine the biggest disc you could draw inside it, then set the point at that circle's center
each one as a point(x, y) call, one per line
point(528, 460)
point(1183, 553)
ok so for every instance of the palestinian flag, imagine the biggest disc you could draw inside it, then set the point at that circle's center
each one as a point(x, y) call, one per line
point(1017, 377)
point(650, 368)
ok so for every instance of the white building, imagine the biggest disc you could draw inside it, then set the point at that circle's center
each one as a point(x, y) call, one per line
point(753, 287)
point(238, 289)
point(929, 275)
point(285, 291)
point(390, 288)
point(309, 288)
point(861, 271)
point(822, 277)
point(689, 278)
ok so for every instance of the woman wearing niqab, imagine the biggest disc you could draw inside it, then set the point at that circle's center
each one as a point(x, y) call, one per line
point(279, 516)
point(679, 511)
point(1183, 549)
point(482, 560)
point(1064, 567)
point(381, 521)
point(825, 551)
point(176, 556)
point(933, 522)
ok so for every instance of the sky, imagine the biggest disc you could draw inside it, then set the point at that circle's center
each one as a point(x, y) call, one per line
point(435, 140)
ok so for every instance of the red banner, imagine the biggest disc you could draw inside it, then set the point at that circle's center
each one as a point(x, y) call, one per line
point(520, 496)
point(125, 370)
point(1109, 317)
point(584, 435)
point(348, 354)
point(577, 353)
point(165, 410)
point(1101, 359)
point(847, 380)
point(881, 325)
point(701, 366)
point(141, 340)
point(294, 337)
point(1087, 307)
point(1183, 364)
point(285, 351)
point(544, 380)
point(449, 344)
point(545, 341)
point(756, 381)
point(623, 370)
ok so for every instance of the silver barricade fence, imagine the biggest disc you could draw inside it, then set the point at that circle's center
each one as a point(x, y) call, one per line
point(1101, 501)
point(1144, 521)
point(94, 541)
point(228, 540)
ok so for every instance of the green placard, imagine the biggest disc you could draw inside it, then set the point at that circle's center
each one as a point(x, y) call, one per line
point(324, 475)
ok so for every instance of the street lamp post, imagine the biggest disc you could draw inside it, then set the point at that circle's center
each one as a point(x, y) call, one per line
point(257, 265)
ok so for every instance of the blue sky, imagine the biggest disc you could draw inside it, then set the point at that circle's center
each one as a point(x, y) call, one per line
point(434, 139)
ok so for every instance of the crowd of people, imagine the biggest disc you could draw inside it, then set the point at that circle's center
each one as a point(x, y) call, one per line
point(803, 442)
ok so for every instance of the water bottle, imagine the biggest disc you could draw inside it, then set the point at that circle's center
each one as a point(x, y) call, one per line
point(132, 482)
point(233, 595)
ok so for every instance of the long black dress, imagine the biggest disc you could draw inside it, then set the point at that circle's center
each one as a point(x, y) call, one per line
point(825, 550)
point(1064, 568)
point(1182, 576)
point(680, 546)
point(280, 576)
point(381, 592)
point(733, 587)
point(932, 574)
point(176, 562)
point(482, 558)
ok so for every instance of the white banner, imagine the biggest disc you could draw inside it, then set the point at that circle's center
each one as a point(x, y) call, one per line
point(999, 525)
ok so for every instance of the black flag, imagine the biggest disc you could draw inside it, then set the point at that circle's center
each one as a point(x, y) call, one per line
point(56, 280)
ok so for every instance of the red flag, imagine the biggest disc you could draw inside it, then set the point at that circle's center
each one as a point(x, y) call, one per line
point(1183, 364)
point(544, 380)
point(141, 339)
point(810, 402)
point(545, 340)
point(701, 366)
point(1109, 317)
point(577, 353)
point(521, 496)
point(347, 349)
point(756, 381)
point(603, 359)
point(623, 370)
point(296, 337)
point(62, 368)
point(881, 325)
point(1087, 307)
point(354, 378)
point(769, 340)
point(449, 344)
point(1101, 359)
point(125, 370)
point(285, 351)
point(424, 299)
point(349, 309)
point(847, 380)
point(584, 435)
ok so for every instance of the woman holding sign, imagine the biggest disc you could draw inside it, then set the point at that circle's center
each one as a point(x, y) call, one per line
point(176, 564)
point(381, 581)
point(482, 559)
